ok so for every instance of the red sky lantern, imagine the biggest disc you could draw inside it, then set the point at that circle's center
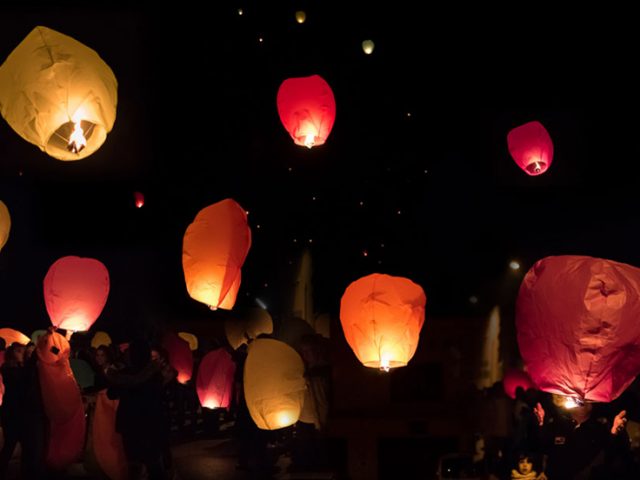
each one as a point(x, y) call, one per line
point(214, 248)
point(531, 147)
point(215, 379)
point(514, 378)
point(180, 356)
point(578, 330)
point(139, 199)
point(307, 109)
point(382, 317)
point(75, 292)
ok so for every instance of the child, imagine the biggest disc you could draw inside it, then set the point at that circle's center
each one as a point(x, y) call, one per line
point(525, 469)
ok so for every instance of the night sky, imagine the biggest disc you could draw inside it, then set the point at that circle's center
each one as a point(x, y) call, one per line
point(416, 172)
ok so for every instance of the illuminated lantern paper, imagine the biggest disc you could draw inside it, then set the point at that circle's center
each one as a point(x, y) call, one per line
point(368, 46)
point(382, 317)
point(13, 336)
point(75, 292)
point(5, 224)
point(214, 248)
point(230, 298)
point(274, 384)
point(107, 443)
point(514, 378)
point(180, 356)
point(62, 402)
point(215, 379)
point(250, 323)
point(531, 147)
point(190, 338)
point(101, 338)
point(139, 199)
point(301, 16)
point(577, 323)
point(58, 94)
point(307, 109)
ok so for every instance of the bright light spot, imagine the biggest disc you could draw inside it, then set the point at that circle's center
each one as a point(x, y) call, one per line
point(247, 212)
point(399, 212)
point(365, 253)
point(210, 403)
point(473, 299)
point(258, 226)
point(382, 245)
point(211, 307)
point(426, 171)
point(290, 169)
point(261, 304)
point(284, 419)
point(571, 402)
point(513, 265)
point(240, 12)
point(266, 284)
point(309, 140)
point(313, 198)
point(368, 46)
point(362, 204)
point(295, 240)
point(311, 240)
point(384, 362)
point(409, 114)
point(77, 142)
point(260, 39)
point(300, 16)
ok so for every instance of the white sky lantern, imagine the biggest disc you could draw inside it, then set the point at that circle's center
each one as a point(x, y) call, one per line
point(368, 46)
point(58, 94)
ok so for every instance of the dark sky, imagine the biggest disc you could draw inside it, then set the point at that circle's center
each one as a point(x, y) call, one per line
point(197, 123)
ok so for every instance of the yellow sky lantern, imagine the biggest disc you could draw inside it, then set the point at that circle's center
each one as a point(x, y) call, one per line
point(5, 224)
point(101, 338)
point(58, 94)
point(368, 46)
point(190, 338)
point(13, 336)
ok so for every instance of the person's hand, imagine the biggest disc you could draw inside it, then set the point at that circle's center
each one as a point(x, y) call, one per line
point(619, 423)
point(539, 411)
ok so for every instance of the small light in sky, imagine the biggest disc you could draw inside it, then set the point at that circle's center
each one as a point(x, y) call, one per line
point(240, 12)
point(399, 212)
point(313, 198)
point(301, 16)
point(295, 240)
point(260, 39)
point(266, 284)
point(20, 173)
point(290, 169)
point(311, 240)
point(247, 212)
point(379, 262)
point(513, 265)
point(426, 171)
point(382, 245)
point(368, 46)
point(261, 304)
point(258, 226)
point(365, 253)
point(473, 299)
point(408, 114)
point(361, 203)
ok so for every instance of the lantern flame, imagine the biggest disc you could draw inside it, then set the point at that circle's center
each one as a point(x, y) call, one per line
point(77, 141)
point(213, 307)
point(571, 402)
point(384, 363)
point(210, 403)
point(310, 140)
point(536, 167)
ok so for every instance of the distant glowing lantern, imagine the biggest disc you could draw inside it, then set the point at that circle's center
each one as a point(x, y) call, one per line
point(75, 292)
point(190, 338)
point(301, 16)
point(62, 402)
point(368, 46)
point(214, 383)
point(514, 378)
point(274, 384)
point(58, 94)
point(101, 338)
point(180, 356)
point(5, 224)
point(139, 199)
point(307, 109)
point(13, 336)
point(107, 443)
point(531, 147)
point(382, 317)
point(577, 323)
point(214, 248)
point(246, 327)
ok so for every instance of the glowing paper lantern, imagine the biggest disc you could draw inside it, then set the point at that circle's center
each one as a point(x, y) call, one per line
point(5, 224)
point(230, 298)
point(190, 338)
point(215, 379)
point(514, 378)
point(250, 323)
point(101, 338)
point(214, 248)
point(531, 147)
point(307, 109)
point(139, 199)
point(368, 46)
point(62, 402)
point(58, 94)
point(107, 443)
point(13, 336)
point(301, 16)
point(382, 317)
point(75, 292)
point(180, 356)
point(577, 323)
point(274, 384)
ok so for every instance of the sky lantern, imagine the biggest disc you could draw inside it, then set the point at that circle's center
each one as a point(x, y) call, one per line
point(214, 383)
point(13, 336)
point(5, 224)
point(514, 378)
point(382, 317)
point(249, 323)
point(107, 443)
point(307, 109)
point(58, 94)
point(101, 338)
point(531, 147)
point(214, 248)
point(301, 16)
point(274, 384)
point(578, 330)
point(190, 338)
point(180, 356)
point(75, 292)
point(368, 46)
point(139, 199)
point(62, 402)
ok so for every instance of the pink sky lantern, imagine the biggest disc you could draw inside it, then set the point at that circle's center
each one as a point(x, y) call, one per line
point(531, 147)
point(578, 329)
point(75, 292)
point(215, 379)
point(139, 199)
point(307, 109)
point(514, 378)
point(180, 356)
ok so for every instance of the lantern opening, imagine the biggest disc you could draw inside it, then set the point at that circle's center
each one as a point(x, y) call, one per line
point(384, 364)
point(536, 166)
point(72, 136)
point(77, 142)
point(573, 402)
point(310, 140)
